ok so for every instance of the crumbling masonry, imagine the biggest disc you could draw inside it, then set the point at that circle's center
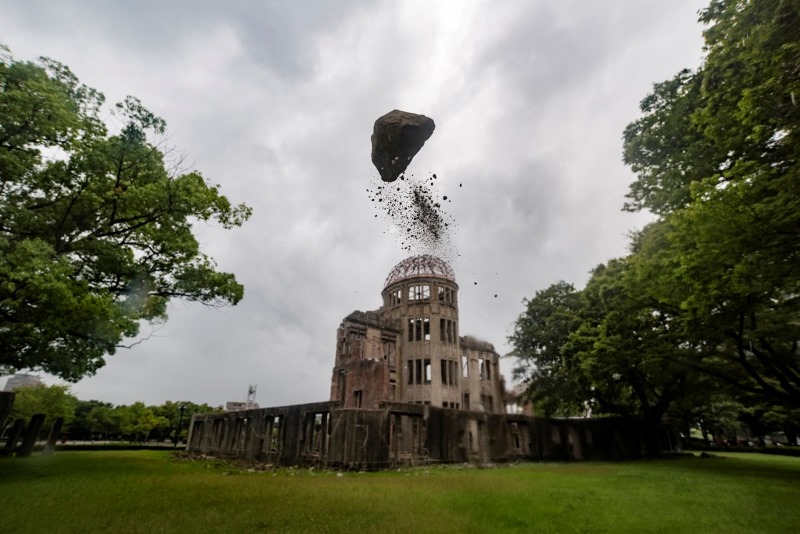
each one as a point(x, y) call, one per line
point(407, 389)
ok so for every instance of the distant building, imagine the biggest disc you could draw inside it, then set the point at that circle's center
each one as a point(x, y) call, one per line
point(236, 406)
point(22, 380)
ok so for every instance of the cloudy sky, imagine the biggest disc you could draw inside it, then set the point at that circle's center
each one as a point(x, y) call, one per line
point(275, 101)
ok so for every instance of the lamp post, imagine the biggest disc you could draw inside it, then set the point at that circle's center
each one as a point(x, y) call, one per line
point(180, 425)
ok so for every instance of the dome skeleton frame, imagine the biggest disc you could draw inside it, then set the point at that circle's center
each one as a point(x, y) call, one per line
point(420, 266)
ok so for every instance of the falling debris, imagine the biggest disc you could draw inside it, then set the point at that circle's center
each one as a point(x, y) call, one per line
point(415, 211)
point(396, 139)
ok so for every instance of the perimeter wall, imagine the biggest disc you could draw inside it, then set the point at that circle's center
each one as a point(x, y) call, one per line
point(325, 435)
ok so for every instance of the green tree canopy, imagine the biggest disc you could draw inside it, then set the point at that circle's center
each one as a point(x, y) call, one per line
point(725, 255)
point(734, 119)
point(84, 425)
point(701, 319)
point(52, 401)
point(539, 336)
point(137, 421)
point(602, 348)
point(95, 227)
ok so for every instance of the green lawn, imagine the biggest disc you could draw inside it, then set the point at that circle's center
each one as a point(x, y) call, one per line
point(150, 491)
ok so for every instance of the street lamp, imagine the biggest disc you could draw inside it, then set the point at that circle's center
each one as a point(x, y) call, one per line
point(182, 408)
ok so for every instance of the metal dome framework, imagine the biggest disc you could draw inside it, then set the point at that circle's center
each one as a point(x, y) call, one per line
point(424, 265)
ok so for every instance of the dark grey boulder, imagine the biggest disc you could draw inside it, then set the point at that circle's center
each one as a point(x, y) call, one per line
point(396, 139)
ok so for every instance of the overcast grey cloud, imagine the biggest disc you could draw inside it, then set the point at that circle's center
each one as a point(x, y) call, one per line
point(275, 102)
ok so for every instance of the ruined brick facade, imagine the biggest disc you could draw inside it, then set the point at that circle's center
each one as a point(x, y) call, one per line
point(410, 350)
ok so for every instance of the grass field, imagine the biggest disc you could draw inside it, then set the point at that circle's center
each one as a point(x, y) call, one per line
point(152, 491)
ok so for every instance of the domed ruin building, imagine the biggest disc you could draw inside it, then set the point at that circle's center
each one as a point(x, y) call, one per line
point(410, 351)
point(406, 390)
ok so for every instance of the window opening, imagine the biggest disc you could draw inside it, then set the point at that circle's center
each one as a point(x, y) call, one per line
point(342, 385)
point(419, 292)
point(486, 369)
point(419, 329)
point(275, 433)
point(446, 295)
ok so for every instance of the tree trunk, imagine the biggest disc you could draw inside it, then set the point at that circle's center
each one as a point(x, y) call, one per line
point(652, 439)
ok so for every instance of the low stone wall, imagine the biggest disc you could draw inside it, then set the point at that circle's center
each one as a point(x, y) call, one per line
point(325, 435)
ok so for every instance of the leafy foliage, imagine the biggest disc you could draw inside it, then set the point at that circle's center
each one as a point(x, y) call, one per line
point(84, 426)
point(52, 401)
point(539, 335)
point(93, 419)
point(601, 350)
point(95, 228)
point(728, 260)
point(701, 319)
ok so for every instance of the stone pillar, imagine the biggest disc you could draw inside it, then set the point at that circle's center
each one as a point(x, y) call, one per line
point(31, 433)
point(52, 438)
point(13, 438)
point(6, 402)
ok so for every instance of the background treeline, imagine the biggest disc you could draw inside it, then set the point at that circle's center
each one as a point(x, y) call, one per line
point(700, 322)
point(96, 420)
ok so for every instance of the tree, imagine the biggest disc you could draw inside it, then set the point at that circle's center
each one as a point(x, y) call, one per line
point(730, 271)
point(630, 352)
point(700, 320)
point(735, 117)
point(177, 425)
point(725, 257)
point(603, 348)
point(52, 401)
point(540, 333)
point(105, 421)
point(666, 148)
point(138, 421)
point(95, 228)
point(85, 426)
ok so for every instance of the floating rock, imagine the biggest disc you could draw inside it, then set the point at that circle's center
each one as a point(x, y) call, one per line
point(396, 139)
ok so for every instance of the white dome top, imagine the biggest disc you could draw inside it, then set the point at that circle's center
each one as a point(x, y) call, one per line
point(424, 265)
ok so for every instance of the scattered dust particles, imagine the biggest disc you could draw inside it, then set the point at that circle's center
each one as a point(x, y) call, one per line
point(414, 209)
